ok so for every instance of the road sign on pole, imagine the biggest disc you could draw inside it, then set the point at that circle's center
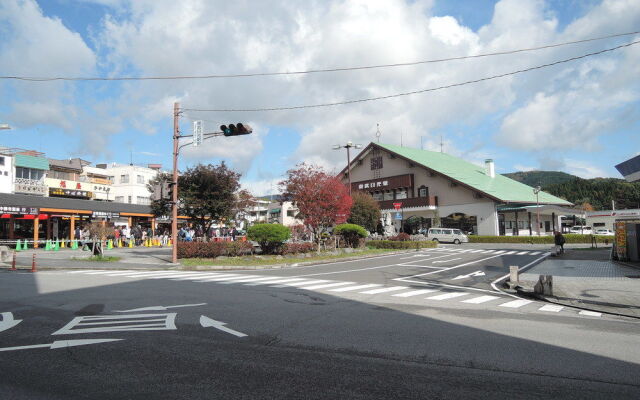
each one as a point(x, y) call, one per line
point(398, 216)
point(197, 133)
point(397, 206)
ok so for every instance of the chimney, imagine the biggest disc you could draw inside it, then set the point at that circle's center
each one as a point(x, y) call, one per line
point(489, 168)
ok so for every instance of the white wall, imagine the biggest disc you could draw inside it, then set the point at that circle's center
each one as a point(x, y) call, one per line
point(133, 189)
point(6, 175)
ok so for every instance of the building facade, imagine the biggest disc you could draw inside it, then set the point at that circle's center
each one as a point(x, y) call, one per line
point(129, 182)
point(417, 189)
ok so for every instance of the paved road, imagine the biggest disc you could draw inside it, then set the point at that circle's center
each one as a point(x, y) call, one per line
point(312, 332)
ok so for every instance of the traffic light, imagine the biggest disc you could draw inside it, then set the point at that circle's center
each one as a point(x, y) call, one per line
point(235, 130)
point(170, 187)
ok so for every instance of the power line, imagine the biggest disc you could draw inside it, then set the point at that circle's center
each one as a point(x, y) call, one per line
point(311, 71)
point(415, 91)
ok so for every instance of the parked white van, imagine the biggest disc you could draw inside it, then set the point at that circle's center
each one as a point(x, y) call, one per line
point(586, 230)
point(447, 235)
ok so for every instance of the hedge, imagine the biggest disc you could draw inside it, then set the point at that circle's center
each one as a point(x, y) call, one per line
point(396, 244)
point(569, 238)
point(270, 237)
point(213, 249)
point(351, 233)
point(294, 248)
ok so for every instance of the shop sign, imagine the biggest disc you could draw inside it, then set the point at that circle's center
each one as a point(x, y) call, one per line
point(373, 184)
point(391, 182)
point(19, 210)
point(621, 240)
point(70, 193)
point(105, 214)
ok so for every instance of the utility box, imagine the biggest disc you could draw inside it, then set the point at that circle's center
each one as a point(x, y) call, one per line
point(633, 242)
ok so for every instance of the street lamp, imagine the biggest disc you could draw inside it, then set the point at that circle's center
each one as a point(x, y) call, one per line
point(348, 146)
point(536, 190)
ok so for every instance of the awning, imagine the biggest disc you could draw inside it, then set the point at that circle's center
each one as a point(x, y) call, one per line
point(23, 160)
point(274, 211)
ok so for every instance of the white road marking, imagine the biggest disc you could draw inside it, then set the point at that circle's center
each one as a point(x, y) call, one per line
point(326, 285)
point(551, 308)
point(477, 273)
point(590, 313)
point(260, 281)
point(510, 252)
point(161, 308)
point(488, 252)
point(80, 272)
point(444, 261)
point(60, 344)
point(307, 282)
point(201, 276)
point(515, 303)
point(500, 251)
point(349, 288)
point(385, 290)
point(149, 274)
point(480, 299)
point(8, 322)
point(522, 253)
point(281, 280)
point(135, 322)
point(447, 269)
point(446, 296)
point(226, 278)
point(476, 251)
point(535, 253)
point(174, 275)
point(414, 293)
point(207, 322)
point(419, 266)
point(493, 284)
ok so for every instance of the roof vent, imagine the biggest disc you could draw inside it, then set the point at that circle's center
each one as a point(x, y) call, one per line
point(489, 168)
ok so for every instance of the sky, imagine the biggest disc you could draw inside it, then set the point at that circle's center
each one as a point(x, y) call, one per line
point(581, 117)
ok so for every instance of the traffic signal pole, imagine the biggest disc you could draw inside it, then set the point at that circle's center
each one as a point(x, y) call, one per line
point(174, 192)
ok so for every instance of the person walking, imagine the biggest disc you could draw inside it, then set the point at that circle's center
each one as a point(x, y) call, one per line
point(559, 241)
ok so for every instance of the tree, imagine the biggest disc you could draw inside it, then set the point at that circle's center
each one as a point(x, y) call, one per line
point(160, 207)
point(351, 233)
point(322, 199)
point(269, 236)
point(365, 211)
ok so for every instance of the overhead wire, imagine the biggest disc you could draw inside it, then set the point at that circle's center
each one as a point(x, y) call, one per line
point(312, 71)
point(362, 100)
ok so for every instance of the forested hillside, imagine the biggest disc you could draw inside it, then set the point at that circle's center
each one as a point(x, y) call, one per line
point(542, 178)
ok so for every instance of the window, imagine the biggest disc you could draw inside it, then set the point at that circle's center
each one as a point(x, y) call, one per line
point(143, 200)
point(119, 199)
point(376, 162)
point(520, 224)
point(423, 191)
point(388, 195)
point(596, 224)
point(129, 199)
point(291, 213)
point(401, 193)
point(378, 196)
point(124, 179)
point(1, 160)
point(28, 173)
point(141, 179)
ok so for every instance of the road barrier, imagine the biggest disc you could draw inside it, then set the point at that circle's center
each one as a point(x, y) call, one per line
point(13, 263)
point(33, 263)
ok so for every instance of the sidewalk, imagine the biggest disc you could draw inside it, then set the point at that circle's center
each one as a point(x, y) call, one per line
point(588, 279)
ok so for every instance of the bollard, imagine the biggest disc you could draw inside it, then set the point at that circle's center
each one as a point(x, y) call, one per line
point(514, 277)
point(13, 263)
point(33, 263)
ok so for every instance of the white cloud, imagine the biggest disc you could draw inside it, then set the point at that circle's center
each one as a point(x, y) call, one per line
point(584, 169)
point(524, 168)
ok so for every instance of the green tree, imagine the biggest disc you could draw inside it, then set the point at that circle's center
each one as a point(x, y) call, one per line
point(269, 236)
point(351, 233)
point(365, 211)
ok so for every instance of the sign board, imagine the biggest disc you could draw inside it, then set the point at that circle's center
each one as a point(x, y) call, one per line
point(197, 133)
point(397, 206)
point(398, 216)
point(70, 193)
point(19, 210)
point(105, 214)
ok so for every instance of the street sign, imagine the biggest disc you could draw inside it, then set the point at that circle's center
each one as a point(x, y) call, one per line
point(398, 215)
point(397, 206)
point(197, 133)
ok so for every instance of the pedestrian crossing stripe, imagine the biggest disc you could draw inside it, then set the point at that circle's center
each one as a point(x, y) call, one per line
point(482, 251)
point(340, 287)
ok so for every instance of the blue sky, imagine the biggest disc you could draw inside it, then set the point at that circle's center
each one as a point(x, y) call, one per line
point(580, 117)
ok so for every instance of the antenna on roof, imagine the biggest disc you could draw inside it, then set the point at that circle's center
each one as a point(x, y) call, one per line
point(441, 145)
point(400, 138)
point(378, 132)
point(130, 156)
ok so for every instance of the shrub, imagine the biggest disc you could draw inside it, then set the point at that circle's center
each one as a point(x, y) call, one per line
point(293, 248)
point(269, 236)
point(351, 233)
point(402, 237)
point(213, 249)
point(397, 244)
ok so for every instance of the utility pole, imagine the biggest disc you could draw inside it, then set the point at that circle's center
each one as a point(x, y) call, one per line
point(174, 182)
point(348, 146)
point(537, 192)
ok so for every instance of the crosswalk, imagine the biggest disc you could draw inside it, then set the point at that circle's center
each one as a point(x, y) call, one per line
point(459, 250)
point(370, 291)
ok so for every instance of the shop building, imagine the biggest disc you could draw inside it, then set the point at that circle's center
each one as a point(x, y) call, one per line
point(6, 172)
point(283, 213)
point(129, 182)
point(417, 189)
point(30, 172)
point(99, 183)
point(63, 179)
point(606, 219)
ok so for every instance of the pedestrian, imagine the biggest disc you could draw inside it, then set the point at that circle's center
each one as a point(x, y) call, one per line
point(559, 241)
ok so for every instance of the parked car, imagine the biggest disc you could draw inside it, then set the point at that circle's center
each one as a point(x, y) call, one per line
point(605, 232)
point(447, 235)
point(586, 230)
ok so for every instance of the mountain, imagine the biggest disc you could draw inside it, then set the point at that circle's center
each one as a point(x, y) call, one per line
point(542, 178)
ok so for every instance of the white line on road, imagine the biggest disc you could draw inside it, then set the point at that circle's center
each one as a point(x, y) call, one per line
point(515, 303)
point(510, 252)
point(535, 253)
point(446, 296)
point(385, 290)
point(414, 293)
point(449, 268)
point(269, 282)
point(590, 313)
point(358, 287)
point(8, 322)
point(495, 288)
point(60, 344)
point(551, 308)
point(326, 285)
point(522, 253)
point(444, 261)
point(207, 322)
point(480, 299)
point(226, 278)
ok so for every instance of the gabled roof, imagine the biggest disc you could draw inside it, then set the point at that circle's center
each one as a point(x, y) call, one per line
point(499, 188)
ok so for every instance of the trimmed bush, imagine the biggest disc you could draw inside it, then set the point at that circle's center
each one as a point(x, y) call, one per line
point(213, 249)
point(398, 244)
point(351, 233)
point(269, 236)
point(295, 248)
point(402, 237)
point(569, 238)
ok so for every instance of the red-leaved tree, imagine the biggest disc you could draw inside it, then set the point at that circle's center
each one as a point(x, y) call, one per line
point(322, 200)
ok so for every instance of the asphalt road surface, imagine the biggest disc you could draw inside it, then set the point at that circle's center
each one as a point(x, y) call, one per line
point(418, 325)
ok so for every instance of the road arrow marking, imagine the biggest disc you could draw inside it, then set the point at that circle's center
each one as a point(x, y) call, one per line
point(8, 322)
point(161, 308)
point(60, 344)
point(477, 273)
point(207, 322)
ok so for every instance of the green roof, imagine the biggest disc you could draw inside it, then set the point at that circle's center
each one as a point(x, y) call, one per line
point(500, 187)
point(22, 160)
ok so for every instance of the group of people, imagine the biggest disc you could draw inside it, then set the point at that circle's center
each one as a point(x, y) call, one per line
point(190, 234)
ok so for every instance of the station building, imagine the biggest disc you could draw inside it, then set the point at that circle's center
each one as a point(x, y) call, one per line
point(417, 189)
